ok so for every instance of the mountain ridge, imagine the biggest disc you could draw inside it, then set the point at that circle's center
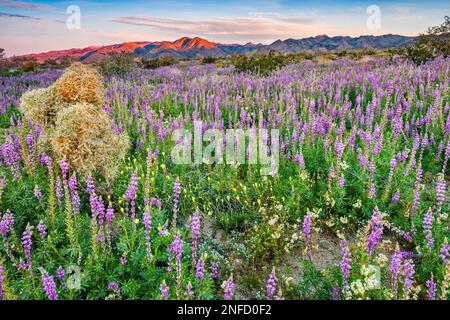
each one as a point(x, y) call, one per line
point(187, 47)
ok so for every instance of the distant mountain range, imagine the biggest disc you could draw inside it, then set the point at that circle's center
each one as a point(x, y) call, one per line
point(198, 47)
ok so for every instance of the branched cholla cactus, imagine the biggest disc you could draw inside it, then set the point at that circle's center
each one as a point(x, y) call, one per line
point(80, 83)
point(41, 106)
point(84, 138)
point(76, 129)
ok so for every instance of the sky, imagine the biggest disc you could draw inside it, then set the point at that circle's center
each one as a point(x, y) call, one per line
point(39, 26)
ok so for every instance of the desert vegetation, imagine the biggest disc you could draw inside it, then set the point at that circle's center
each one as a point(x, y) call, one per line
point(92, 205)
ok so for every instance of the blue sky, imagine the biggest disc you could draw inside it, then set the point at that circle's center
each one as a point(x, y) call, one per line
point(37, 26)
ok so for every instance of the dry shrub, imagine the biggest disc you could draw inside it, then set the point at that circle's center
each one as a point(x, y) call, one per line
point(76, 128)
point(41, 106)
point(84, 138)
point(80, 83)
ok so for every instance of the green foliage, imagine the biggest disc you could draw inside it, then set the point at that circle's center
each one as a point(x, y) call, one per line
point(263, 64)
point(208, 60)
point(250, 223)
point(29, 65)
point(159, 62)
point(117, 64)
point(435, 42)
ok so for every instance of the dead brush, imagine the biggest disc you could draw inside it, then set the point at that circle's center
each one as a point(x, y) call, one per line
point(41, 106)
point(84, 138)
point(80, 83)
point(76, 128)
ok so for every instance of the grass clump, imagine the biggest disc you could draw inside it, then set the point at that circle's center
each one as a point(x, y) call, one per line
point(84, 138)
point(80, 83)
point(41, 106)
point(76, 128)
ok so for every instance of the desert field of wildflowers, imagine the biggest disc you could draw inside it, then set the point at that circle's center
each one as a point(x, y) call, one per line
point(92, 205)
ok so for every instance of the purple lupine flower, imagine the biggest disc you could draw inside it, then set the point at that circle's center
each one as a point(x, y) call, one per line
point(395, 264)
point(22, 265)
point(300, 160)
point(43, 159)
point(162, 231)
point(27, 244)
point(73, 185)
point(61, 274)
point(114, 287)
point(200, 269)
point(29, 140)
point(446, 155)
point(341, 181)
point(195, 230)
point(392, 165)
point(346, 263)
point(2, 279)
point(59, 190)
point(109, 218)
point(228, 288)
point(378, 146)
point(416, 199)
point(407, 273)
point(176, 197)
point(439, 150)
point(6, 224)
point(3, 183)
point(189, 292)
point(155, 202)
point(431, 289)
point(375, 231)
point(49, 286)
point(123, 260)
point(363, 161)
point(395, 197)
point(405, 235)
point(214, 269)
point(100, 214)
point(335, 293)
point(64, 166)
point(372, 189)
point(42, 229)
point(402, 267)
point(444, 253)
point(339, 149)
point(440, 193)
point(131, 193)
point(164, 289)
point(11, 158)
point(148, 228)
point(331, 173)
point(271, 284)
point(307, 223)
point(176, 248)
point(428, 228)
point(48, 161)
point(90, 185)
point(38, 193)
point(94, 212)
